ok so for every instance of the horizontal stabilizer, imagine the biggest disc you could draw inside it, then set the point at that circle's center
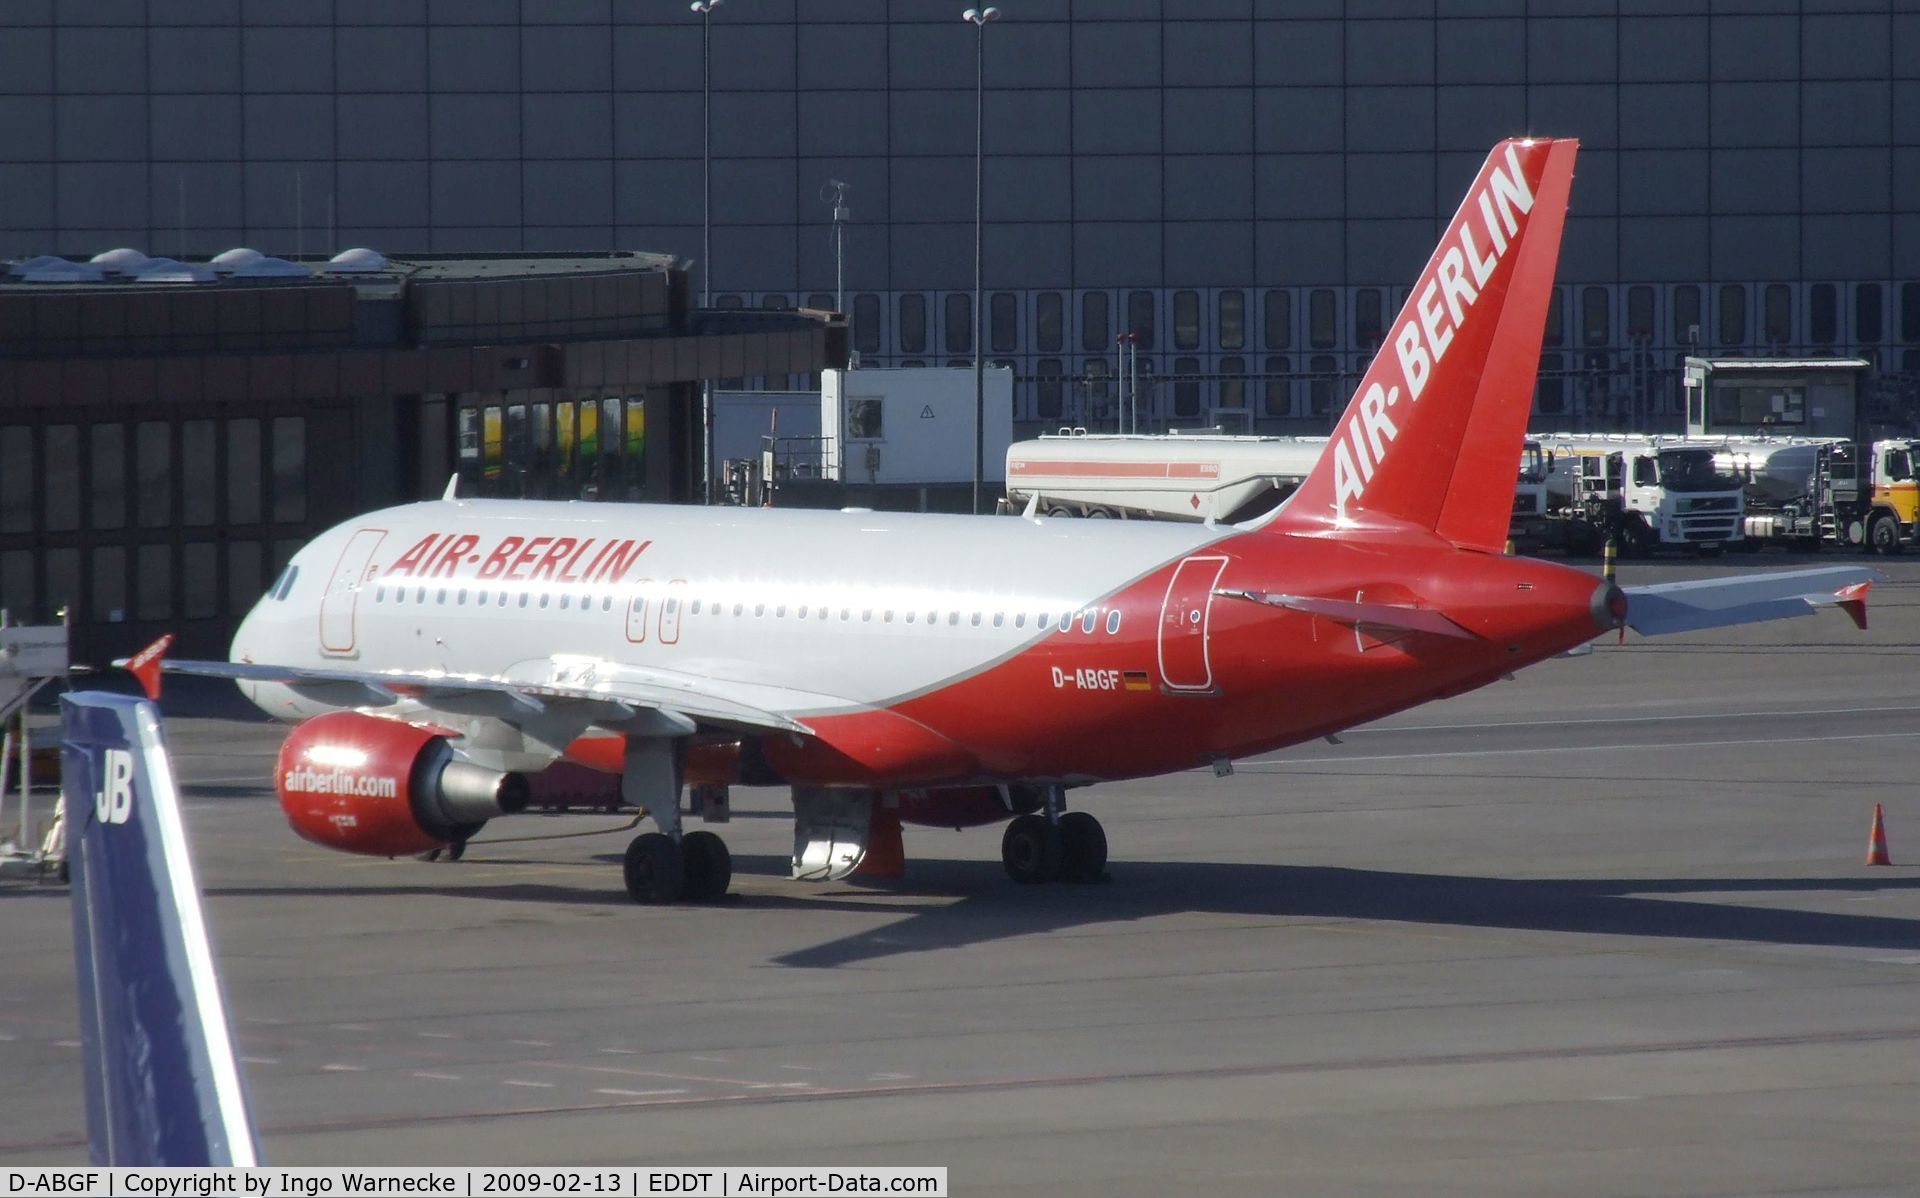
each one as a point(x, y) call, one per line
point(163, 1087)
point(1397, 616)
point(1718, 602)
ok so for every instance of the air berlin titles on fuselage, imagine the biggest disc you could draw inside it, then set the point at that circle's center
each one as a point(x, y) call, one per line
point(1439, 306)
point(567, 560)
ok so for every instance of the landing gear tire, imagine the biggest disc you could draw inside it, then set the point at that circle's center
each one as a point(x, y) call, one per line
point(706, 867)
point(1884, 535)
point(653, 869)
point(1031, 850)
point(1083, 848)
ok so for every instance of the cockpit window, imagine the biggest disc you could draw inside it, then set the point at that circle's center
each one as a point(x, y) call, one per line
point(283, 585)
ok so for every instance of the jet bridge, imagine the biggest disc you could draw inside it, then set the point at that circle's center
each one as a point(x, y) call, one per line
point(31, 656)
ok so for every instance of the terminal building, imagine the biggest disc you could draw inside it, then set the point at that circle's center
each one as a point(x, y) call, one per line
point(171, 432)
point(1246, 185)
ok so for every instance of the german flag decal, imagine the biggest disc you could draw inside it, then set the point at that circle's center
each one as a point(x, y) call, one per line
point(1137, 680)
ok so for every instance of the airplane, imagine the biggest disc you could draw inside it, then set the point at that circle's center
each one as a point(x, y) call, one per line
point(952, 670)
point(162, 1082)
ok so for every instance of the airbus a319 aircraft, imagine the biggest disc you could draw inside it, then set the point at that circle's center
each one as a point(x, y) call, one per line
point(953, 670)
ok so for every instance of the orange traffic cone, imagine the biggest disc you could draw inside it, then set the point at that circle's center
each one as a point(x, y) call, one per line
point(1877, 840)
point(886, 855)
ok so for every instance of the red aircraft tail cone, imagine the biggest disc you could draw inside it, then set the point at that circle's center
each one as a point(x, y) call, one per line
point(1877, 840)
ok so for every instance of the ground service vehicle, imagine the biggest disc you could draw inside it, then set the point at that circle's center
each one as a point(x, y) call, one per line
point(1856, 495)
point(1180, 476)
point(1645, 493)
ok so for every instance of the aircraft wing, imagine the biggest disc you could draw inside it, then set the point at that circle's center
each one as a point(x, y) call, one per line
point(1664, 607)
point(163, 1086)
point(682, 700)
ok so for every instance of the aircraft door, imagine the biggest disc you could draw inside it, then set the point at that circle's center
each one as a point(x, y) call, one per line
point(337, 603)
point(1183, 624)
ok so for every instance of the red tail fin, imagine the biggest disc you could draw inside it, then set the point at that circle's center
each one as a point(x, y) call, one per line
point(1432, 438)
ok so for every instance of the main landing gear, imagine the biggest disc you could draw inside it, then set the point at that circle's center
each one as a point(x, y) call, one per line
point(668, 866)
point(1054, 845)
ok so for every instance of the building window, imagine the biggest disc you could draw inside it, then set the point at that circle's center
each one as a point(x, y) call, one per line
point(1550, 392)
point(1321, 326)
point(1324, 374)
point(1778, 313)
point(1186, 320)
point(959, 322)
point(1823, 314)
point(1640, 315)
point(1687, 327)
point(1231, 315)
point(61, 475)
point(819, 301)
point(1096, 378)
point(1048, 332)
point(1047, 389)
point(244, 565)
point(17, 570)
point(1278, 325)
point(1186, 388)
point(1733, 314)
point(777, 303)
point(1868, 325)
point(154, 580)
point(729, 300)
point(1368, 325)
point(1095, 321)
point(1003, 316)
point(16, 479)
point(107, 498)
point(1555, 332)
point(109, 584)
point(199, 474)
point(1233, 384)
point(1140, 318)
point(289, 469)
point(1596, 326)
point(1910, 312)
point(913, 323)
point(243, 471)
point(153, 473)
point(1276, 395)
point(866, 322)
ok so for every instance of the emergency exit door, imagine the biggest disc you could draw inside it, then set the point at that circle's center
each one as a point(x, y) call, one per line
point(337, 602)
point(1184, 665)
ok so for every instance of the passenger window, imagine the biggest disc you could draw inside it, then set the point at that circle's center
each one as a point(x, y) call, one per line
point(1113, 622)
point(1043, 621)
point(1086, 621)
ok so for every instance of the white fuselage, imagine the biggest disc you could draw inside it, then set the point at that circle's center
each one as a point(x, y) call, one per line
point(802, 611)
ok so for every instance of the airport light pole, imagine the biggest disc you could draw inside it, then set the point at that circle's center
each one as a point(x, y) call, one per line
point(705, 9)
point(979, 18)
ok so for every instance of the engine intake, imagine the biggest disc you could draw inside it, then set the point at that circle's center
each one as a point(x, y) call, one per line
point(363, 784)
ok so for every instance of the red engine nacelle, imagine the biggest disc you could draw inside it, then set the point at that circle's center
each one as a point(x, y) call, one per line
point(967, 806)
point(368, 785)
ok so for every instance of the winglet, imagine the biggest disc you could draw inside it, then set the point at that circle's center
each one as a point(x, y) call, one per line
point(453, 488)
point(1033, 508)
point(145, 665)
point(1853, 601)
point(163, 1086)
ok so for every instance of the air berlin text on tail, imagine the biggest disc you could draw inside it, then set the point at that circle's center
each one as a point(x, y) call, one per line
point(708, 1181)
point(1439, 306)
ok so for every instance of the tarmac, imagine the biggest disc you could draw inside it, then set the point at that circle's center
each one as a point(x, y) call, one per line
point(1601, 929)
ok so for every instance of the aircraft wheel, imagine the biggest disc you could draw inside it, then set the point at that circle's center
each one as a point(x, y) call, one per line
point(1031, 850)
point(1083, 848)
point(653, 869)
point(706, 866)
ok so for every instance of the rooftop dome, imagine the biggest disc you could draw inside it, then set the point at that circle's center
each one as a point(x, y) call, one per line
point(48, 269)
point(171, 270)
point(263, 267)
point(123, 261)
point(358, 260)
point(235, 258)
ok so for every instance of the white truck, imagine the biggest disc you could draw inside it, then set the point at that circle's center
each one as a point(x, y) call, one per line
point(1577, 491)
point(1181, 476)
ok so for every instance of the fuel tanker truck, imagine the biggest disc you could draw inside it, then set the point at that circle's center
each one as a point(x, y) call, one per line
point(1179, 476)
